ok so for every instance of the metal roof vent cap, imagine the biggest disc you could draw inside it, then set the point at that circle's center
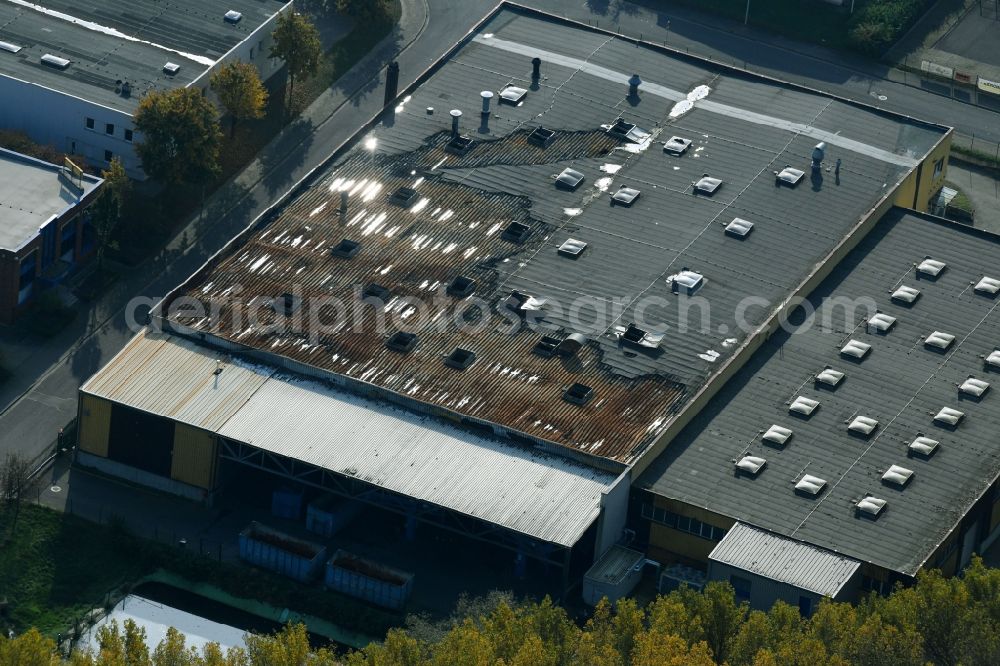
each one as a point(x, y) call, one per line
point(513, 95)
point(54, 61)
point(777, 436)
point(810, 485)
point(171, 68)
point(569, 179)
point(988, 286)
point(863, 426)
point(460, 359)
point(739, 228)
point(829, 378)
point(856, 350)
point(578, 394)
point(232, 16)
point(939, 341)
point(881, 323)
point(789, 176)
point(633, 86)
point(572, 248)
point(819, 152)
point(870, 507)
point(949, 417)
point(905, 295)
point(974, 388)
point(923, 446)
point(803, 406)
point(687, 281)
point(897, 476)
point(571, 344)
point(541, 137)
point(930, 268)
point(402, 342)
point(487, 96)
point(461, 287)
point(751, 466)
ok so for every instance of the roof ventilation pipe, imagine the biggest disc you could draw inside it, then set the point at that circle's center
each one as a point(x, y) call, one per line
point(819, 152)
point(633, 87)
point(456, 115)
point(391, 83)
point(343, 203)
point(487, 96)
point(536, 68)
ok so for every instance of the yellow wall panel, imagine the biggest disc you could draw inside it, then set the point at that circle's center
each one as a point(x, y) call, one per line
point(95, 424)
point(668, 542)
point(193, 459)
point(918, 188)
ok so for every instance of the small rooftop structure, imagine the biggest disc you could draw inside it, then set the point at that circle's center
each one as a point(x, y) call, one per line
point(784, 560)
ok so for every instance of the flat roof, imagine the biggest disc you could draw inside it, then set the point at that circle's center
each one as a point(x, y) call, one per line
point(32, 192)
point(544, 496)
point(784, 560)
point(743, 129)
point(122, 40)
point(902, 384)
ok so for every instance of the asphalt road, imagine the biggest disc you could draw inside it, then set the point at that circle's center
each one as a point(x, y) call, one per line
point(49, 375)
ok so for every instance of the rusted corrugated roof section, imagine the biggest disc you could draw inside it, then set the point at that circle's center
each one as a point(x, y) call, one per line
point(414, 253)
point(519, 488)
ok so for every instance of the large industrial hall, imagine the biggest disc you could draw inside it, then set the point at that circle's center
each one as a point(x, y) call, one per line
point(562, 250)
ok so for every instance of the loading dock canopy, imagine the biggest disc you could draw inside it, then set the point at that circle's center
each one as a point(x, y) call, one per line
point(784, 560)
point(521, 489)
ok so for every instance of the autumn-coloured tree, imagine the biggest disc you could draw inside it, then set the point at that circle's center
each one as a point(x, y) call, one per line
point(683, 628)
point(180, 136)
point(296, 42)
point(240, 91)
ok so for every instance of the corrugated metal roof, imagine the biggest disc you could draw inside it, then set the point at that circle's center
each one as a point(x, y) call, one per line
point(465, 202)
point(542, 495)
point(537, 494)
point(175, 378)
point(784, 560)
point(615, 565)
point(901, 384)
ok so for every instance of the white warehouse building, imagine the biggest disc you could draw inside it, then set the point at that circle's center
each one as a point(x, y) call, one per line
point(72, 74)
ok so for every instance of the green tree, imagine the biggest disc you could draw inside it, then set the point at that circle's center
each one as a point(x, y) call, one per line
point(180, 136)
point(240, 91)
point(296, 41)
point(106, 212)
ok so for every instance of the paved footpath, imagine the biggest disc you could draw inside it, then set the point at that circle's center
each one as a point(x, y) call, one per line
point(41, 397)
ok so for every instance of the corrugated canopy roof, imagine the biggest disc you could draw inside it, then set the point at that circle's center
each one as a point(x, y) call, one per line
point(784, 560)
point(743, 128)
point(520, 489)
